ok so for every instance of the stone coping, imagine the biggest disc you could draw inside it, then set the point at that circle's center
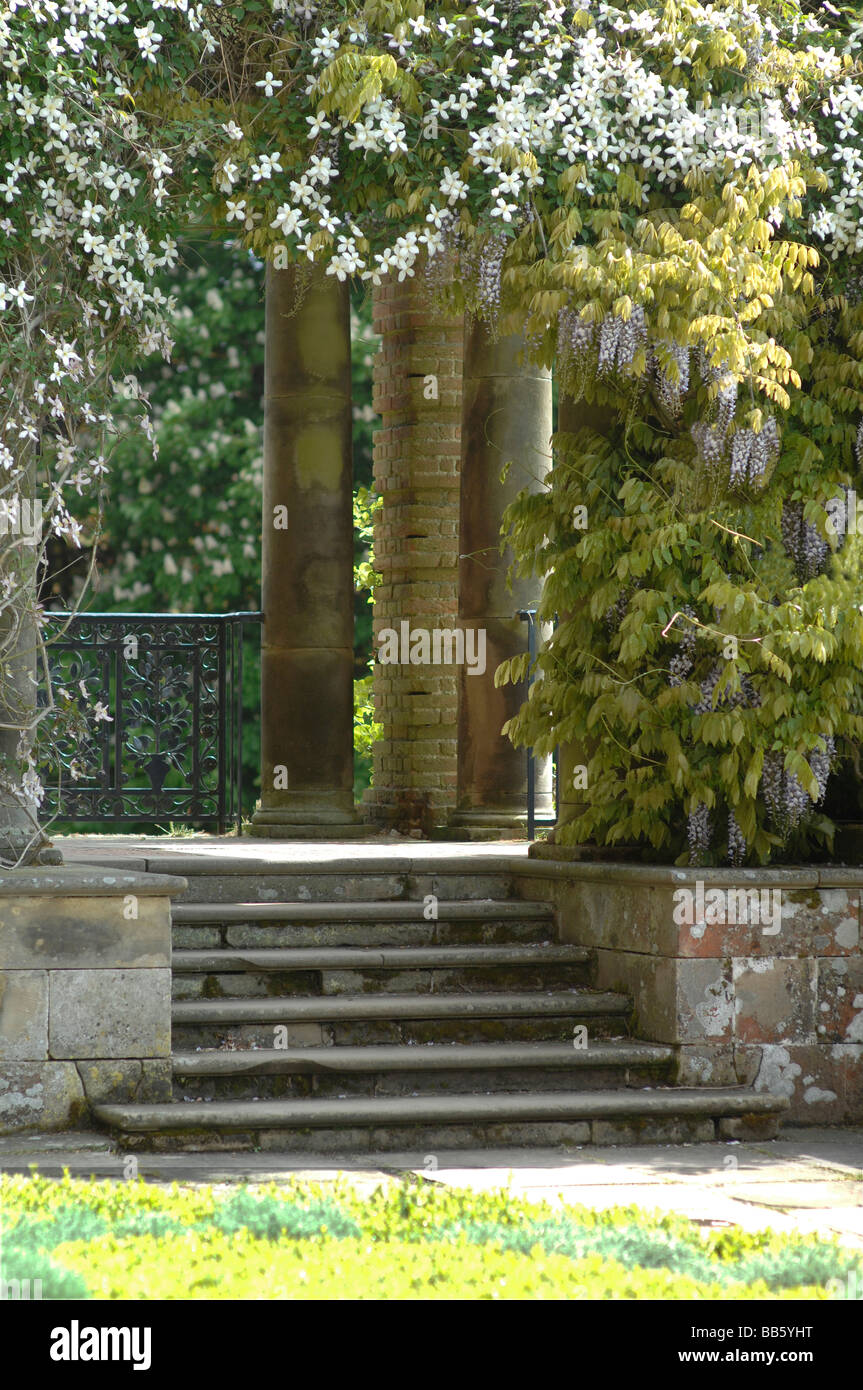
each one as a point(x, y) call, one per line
point(82, 848)
point(346, 867)
point(87, 881)
point(672, 876)
point(279, 857)
point(158, 856)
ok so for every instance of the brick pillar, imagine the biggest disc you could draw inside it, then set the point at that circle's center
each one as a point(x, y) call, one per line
point(417, 393)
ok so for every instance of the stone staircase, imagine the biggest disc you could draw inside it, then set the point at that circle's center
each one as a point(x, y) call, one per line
point(373, 1011)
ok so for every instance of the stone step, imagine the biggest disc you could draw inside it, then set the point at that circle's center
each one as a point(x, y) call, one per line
point(273, 1073)
point(249, 925)
point(475, 909)
point(350, 879)
point(562, 1004)
point(402, 1032)
point(402, 1122)
point(220, 962)
point(427, 1059)
point(331, 971)
point(361, 1019)
point(329, 983)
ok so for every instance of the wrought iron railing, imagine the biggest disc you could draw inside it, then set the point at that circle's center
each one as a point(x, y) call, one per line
point(172, 745)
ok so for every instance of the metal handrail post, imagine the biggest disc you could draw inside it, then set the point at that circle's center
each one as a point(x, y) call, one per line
point(528, 615)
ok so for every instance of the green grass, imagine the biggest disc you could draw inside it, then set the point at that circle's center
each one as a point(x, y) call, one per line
point(405, 1240)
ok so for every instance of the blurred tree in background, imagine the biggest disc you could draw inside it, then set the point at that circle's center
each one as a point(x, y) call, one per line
point(181, 531)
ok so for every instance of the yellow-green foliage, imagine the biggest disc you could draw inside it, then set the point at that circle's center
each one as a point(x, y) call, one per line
point(211, 1265)
point(404, 1240)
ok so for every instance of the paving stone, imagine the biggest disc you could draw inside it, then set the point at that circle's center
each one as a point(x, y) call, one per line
point(44, 1095)
point(58, 932)
point(146, 1080)
point(116, 1080)
point(707, 1064)
point(567, 1004)
point(849, 1058)
point(110, 1013)
point(748, 922)
point(194, 938)
point(775, 1069)
point(85, 881)
point(156, 1080)
point(753, 1127)
point(464, 886)
point(810, 921)
point(705, 1000)
point(62, 1144)
point(774, 1000)
point(840, 1000)
point(811, 1079)
point(247, 985)
point(122, 1079)
point(826, 923)
point(652, 1130)
point(265, 935)
point(814, 1196)
point(616, 917)
point(325, 1141)
point(192, 1141)
point(247, 1036)
point(291, 887)
point(430, 1139)
point(23, 1015)
point(651, 983)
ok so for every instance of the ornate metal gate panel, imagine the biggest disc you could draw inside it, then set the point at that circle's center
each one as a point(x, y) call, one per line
point(170, 747)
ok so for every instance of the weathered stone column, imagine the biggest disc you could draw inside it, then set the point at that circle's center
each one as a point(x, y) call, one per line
point(506, 424)
point(417, 377)
point(307, 563)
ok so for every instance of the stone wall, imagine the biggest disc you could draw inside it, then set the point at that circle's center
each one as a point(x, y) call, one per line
point(741, 1001)
point(417, 393)
point(85, 992)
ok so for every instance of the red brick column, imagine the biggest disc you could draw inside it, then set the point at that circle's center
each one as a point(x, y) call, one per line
point(417, 393)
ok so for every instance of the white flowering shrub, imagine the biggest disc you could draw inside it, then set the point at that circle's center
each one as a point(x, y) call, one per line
point(82, 235)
